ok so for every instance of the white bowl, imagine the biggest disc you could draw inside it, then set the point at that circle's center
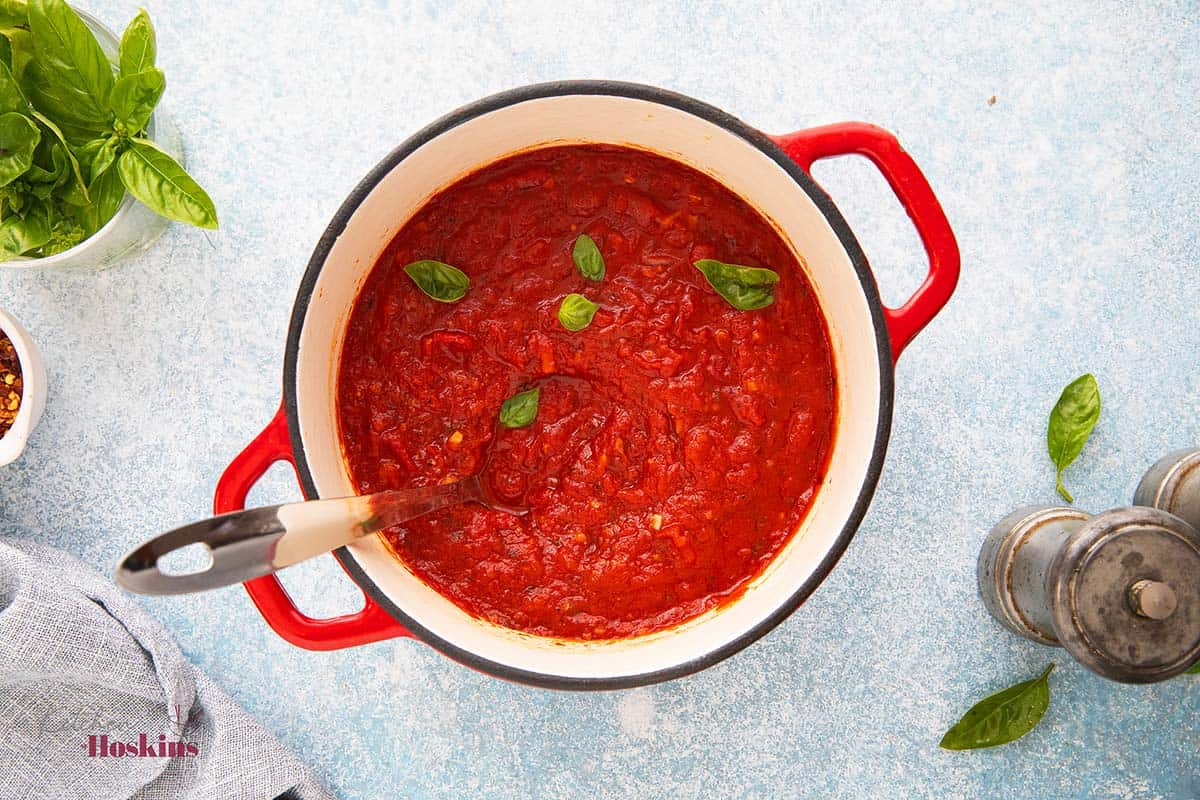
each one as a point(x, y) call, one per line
point(33, 396)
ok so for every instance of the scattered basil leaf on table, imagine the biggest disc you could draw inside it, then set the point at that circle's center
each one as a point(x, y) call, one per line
point(746, 288)
point(440, 281)
point(521, 409)
point(587, 258)
point(576, 312)
point(138, 46)
point(1003, 717)
point(1071, 423)
point(157, 180)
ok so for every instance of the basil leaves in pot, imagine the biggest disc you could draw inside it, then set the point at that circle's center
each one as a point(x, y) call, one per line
point(440, 281)
point(576, 312)
point(521, 409)
point(73, 132)
point(745, 288)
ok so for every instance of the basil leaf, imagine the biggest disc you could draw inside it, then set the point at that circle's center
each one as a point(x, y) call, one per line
point(20, 45)
point(19, 235)
point(18, 139)
point(134, 97)
point(11, 96)
point(1003, 717)
point(1071, 423)
point(71, 73)
point(105, 156)
point(138, 47)
point(587, 257)
point(746, 288)
point(13, 13)
point(576, 312)
point(106, 192)
point(74, 162)
point(1194, 670)
point(440, 281)
point(157, 180)
point(521, 409)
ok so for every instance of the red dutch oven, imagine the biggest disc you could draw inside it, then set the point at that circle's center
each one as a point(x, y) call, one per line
point(769, 172)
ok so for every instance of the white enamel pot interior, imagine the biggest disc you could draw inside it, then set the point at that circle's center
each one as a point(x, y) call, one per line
point(698, 135)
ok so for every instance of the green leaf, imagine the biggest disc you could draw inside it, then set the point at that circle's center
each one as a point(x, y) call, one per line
point(157, 180)
point(20, 45)
point(1071, 423)
point(587, 257)
point(576, 312)
point(11, 96)
point(1003, 717)
point(746, 288)
point(106, 192)
point(521, 409)
point(106, 155)
point(134, 97)
point(19, 235)
point(138, 47)
point(440, 281)
point(18, 139)
point(71, 77)
point(13, 13)
point(1194, 670)
point(6, 52)
point(74, 162)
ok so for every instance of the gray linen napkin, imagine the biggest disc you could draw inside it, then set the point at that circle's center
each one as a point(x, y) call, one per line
point(79, 661)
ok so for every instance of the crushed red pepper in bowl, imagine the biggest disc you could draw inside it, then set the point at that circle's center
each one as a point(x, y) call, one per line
point(10, 384)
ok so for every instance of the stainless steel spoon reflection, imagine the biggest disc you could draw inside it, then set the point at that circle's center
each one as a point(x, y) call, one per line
point(256, 542)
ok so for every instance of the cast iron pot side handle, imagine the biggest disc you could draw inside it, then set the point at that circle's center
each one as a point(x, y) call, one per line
point(370, 624)
point(913, 191)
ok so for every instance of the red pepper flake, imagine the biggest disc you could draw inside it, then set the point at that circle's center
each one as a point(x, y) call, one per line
point(10, 384)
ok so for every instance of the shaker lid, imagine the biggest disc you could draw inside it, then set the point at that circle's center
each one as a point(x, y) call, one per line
point(1126, 595)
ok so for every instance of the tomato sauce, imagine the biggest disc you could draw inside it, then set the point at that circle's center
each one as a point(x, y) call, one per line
point(679, 441)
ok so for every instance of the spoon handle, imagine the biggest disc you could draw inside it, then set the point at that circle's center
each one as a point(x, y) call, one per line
point(255, 542)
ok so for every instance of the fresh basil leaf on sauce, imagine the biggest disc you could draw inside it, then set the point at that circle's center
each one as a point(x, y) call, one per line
point(576, 312)
point(19, 137)
point(440, 281)
point(587, 257)
point(1003, 717)
point(521, 409)
point(134, 97)
point(1071, 423)
point(746, 288)
point(138, 47)
point(157, 180)
point(73, 76)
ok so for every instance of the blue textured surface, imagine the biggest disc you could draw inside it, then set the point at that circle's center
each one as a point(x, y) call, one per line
point(1075, 197)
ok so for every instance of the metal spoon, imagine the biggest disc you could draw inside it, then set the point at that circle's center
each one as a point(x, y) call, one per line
point(256, 542)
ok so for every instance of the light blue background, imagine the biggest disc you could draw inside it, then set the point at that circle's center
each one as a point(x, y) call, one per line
point(1075, 197)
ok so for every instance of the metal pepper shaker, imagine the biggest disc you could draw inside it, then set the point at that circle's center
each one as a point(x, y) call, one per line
point(1120, 591)
point(1173, 485)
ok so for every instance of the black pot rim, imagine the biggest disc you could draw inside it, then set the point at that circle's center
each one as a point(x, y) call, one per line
point(729, 123)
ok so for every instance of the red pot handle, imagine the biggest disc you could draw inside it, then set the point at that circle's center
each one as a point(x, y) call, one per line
point(914, 193)
point(370, 624)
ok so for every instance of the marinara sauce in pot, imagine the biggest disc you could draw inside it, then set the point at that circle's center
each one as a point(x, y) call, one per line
point(678, 440)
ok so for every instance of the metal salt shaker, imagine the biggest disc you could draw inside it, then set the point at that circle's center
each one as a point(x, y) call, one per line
point(1120, 591)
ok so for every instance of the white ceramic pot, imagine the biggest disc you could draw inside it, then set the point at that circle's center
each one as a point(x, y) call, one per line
point(33, 395)
point(771, 174)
